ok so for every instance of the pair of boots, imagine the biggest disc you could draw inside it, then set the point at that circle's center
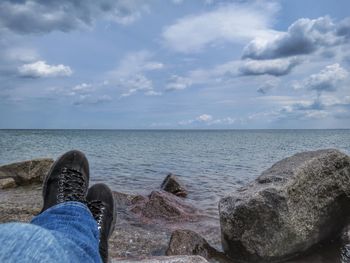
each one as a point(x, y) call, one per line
point(68, 180)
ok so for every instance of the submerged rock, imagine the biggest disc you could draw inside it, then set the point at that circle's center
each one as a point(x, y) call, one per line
point(298, 202)
point(172, 184)
point(26, 172)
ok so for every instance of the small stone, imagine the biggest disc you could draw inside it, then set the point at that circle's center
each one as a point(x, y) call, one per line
point(172, 184)
point(187, 242)
point(7, 183)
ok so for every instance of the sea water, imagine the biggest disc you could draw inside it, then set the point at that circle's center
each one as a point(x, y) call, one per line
point(212, 163)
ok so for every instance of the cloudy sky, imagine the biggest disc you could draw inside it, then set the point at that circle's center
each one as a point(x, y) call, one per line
point(174, 64)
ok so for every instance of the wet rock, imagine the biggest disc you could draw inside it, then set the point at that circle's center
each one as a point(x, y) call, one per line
point(161, 205)
point(174, 259)
point(187, 242)
point(172, 184)
point(298, 202)
point(26, 172)
point(7, 183)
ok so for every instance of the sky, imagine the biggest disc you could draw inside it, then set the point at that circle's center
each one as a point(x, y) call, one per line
point(174, 64)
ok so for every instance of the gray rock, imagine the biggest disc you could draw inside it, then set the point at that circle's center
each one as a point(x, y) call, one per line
point(7, 183)
point(174, 259)
point(161, 205)
point(187, 242)
point(298, 202)
point(172, 184)
point(26, 172)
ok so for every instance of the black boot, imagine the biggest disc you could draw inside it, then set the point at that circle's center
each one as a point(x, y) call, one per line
point(101, 204)
point(67, 180)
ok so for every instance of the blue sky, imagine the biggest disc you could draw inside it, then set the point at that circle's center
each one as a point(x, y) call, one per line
point(174, 64)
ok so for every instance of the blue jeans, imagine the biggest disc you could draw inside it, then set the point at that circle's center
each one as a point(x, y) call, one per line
point(66, 232)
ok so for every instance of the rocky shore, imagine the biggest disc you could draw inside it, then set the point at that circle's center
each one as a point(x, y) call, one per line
point(296, 211)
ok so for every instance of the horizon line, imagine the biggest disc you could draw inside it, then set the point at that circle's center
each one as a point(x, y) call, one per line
point(169, 129)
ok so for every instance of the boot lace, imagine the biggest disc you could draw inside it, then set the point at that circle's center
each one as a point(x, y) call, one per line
point(71, 186)
point(97, 209)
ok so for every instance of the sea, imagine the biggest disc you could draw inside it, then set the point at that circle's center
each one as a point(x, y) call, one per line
point(211, 163)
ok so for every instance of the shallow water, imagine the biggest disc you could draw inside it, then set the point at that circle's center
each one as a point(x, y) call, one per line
point(211, 163)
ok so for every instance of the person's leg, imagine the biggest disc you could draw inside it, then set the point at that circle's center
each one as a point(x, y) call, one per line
point(74, 227)
point(101, 204)
point(65, 230)
point(22, 242)
point(64, 227)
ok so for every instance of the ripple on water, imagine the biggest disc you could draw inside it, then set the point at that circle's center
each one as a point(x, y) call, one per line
point(211, 163)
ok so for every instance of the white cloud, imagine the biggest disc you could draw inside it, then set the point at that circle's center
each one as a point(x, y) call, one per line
point(137, 83)
point(152, 93)
point(20, 54)
point(315, 108)
point(208, 120)
point(153, 65)
point(274, 67)
point(130, 75)
point(304, 36)
point(204, 118)
point(88, 99)
point(82, 88)
point(178, 83)
point(212, 76)
point(83, 93)
point(328, 79)
point(126, 12)
point(42, 69)
point(268, 85)
point(136, 62)
point(234, 23)
point(25, 17)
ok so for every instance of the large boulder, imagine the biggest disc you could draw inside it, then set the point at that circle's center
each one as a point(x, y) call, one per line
point(298, 202)
point(172, 184)
point(26, 172)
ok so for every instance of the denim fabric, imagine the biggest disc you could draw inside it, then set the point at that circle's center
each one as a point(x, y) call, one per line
point(66, 232)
